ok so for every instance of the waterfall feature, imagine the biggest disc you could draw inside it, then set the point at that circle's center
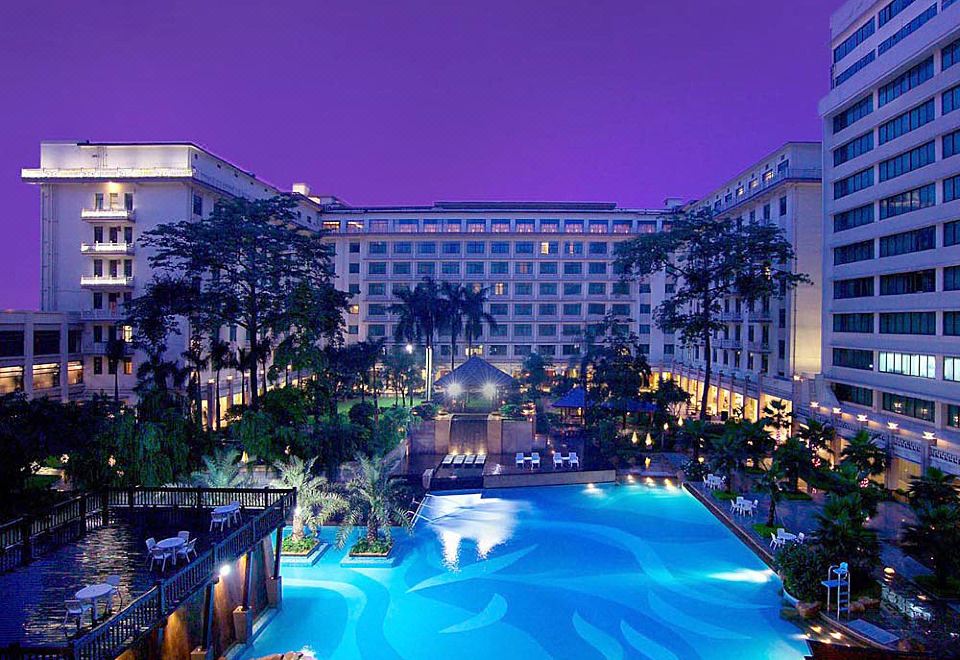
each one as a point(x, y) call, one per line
point(468, 434)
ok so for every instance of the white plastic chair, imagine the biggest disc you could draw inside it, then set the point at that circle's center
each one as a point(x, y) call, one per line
point(800, 537)
point(574, 460)
point(151, 544)
point(775, 541)
point(76, 609)
point(187, 549)
point(114, 581)
point(519, 460)
point(218, 520)
point(184, 534)
point(235, 515)
point(535, 462)
point(557, 461)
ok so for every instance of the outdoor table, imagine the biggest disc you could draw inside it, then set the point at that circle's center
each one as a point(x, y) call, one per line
point(232, 510)
point(94, 593)
point(787, 536)
point(172, 545)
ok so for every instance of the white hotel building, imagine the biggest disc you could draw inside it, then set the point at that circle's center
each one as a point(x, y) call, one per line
point(891, 237)
point(761, 351)
point(548, 266)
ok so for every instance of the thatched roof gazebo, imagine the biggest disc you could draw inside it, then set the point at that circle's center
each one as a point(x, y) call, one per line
point(476, 375)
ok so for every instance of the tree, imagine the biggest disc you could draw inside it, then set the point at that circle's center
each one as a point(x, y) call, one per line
point(315, 499)
point(246, 259)
point(936, 535)
point(669, 398)
point(221, 470)
point(861, 452)
point(401, 372)
point(794, 457)
point(614, 368)
point(475, 316)
point(115, 354)
point(728, 453)
point(196, 360)
point(819, 437)
point(153, 318)
point(454, 306)
point(843, 535)
point(221, 357)
point(420, 315)
point(373, 502)
point(533, 372)
point(934, 488)
point(770, 484)
point(710, 258)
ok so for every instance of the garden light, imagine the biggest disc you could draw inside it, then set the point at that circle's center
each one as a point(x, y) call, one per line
point(489, 390)
point(225, 570)
point(455, 389)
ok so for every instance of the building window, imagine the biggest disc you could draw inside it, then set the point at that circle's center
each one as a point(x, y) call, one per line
point(476, 247)
point(853, 322)
point(951, 188)
point(908, 323)
point(46, 376)
point(783, 206)
point(525, 226)
point(846, 254)
point(862, 396)
point(197, 205)
point(500, 226)
point(427, 268)
point(920, 281)
point(953, 416)
point(951, 369)
point(853, 114)
point(908, 161)
point(523, 288)
point(853, 183)
point(862, 215)
point(11, 343)
point(11, 380)
point(909, 121)
point(854, 68)
point(908, 201)
point(377, 330)
point(46, 342)
point(852, 358)
point(950, 100)
point(907, 29)
point(907, 364)
point(548, 267)
point(597, 288)
point(859, 287)
point(906, 81)
point(854, 40)
point(377, 268)
point(850, 150)
point(908, 242)
point(548, 288)
point(908, 406)
point(572, 289)
point(573, 268)
point(450, 268)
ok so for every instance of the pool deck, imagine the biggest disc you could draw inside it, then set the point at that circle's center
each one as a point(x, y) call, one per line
point(33, 595)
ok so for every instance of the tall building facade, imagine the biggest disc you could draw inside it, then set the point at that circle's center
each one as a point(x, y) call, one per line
point(763, 350)
point(548, 269)
point(891, 237)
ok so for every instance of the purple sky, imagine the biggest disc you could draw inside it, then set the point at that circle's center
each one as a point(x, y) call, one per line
point(383, 102)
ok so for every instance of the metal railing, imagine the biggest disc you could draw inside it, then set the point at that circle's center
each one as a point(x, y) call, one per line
point(148, 610)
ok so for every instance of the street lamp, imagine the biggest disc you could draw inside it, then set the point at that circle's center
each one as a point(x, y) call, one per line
point(408, 348)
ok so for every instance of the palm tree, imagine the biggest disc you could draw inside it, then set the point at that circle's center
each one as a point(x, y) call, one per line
point(794, 457)
point(315, 501)
point(842, 532)
point(196, 361)
point(934, 488)
point(869, 459)
point(728, 453)
point(222, 470)
point(474, 314)
point(241, 361)
point(819, 437)
point(454, 300)
point(936, 534)
point(220, 359)
point(373, 501)
point(116, 352)
point(420, 315)
point(770, 484)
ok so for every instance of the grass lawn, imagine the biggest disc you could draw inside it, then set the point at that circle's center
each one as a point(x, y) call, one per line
point(723, 496)
point(797, 497)
point(385, 402)
point(764, 530)
point(950, 590)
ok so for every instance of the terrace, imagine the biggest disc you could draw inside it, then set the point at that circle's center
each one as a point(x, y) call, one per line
point(87, 538)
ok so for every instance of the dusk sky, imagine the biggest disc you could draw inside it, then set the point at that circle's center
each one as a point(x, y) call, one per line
point(383, 102)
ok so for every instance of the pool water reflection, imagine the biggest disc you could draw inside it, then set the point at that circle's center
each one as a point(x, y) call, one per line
point(562, 572)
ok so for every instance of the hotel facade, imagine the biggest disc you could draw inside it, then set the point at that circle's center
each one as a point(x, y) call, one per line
point(764, 350)
point(891, 236)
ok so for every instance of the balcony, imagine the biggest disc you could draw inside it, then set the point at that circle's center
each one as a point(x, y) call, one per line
point(758, 346)
point(107, 215)
point(735, 344)
point(101, 314)
point(760, 317)
point(106, 282)
point(107, 248)
point(91, 347)
point(731, 317)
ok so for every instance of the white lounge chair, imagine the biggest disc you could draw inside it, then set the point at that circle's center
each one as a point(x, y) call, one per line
point(481, 459)
point(737, 505)
point(76, 609)
point(520, 460)
point(535, 461)
point(468, 461)
point(447, 460)
point(574, 460)
point(775, 541)
point(458, 460)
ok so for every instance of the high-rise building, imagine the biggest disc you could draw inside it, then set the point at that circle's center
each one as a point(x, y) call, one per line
point(891, 237)
point(762, 349)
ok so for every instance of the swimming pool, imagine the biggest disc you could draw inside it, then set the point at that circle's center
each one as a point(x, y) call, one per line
point(628, 571)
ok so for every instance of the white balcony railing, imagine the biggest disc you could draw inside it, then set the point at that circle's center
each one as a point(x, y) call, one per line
point(107, 248)
point(107, 214)
point(101, 315)
point(123, 281)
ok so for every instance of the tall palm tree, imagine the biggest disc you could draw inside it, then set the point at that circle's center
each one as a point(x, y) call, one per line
point(819, 437)
point(241, 361)
point(315, 500)
point(116, 352)
point(728, 453)
point(474, 314)
point(196, 361)
point(936, 534)
point(373, 501)
point(843, 534)
point(934, 488)
point(794, 457)
point(220, 358)
point(770, 484)
point(420, 315)
point(869, 458)
point(454, 301)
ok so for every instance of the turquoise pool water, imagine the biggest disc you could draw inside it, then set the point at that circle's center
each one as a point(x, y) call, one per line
point(628, 571)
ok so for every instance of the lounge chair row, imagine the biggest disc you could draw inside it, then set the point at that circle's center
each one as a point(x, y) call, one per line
point(464, 460)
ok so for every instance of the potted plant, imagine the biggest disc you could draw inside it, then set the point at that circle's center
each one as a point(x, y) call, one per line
point(374, 505)
point(315, 503)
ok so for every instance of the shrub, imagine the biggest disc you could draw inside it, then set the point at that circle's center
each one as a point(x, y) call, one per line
point(362, 414)
point(426, 410)
point(299, 546)
point(511, 411)
point(802, 566)
point(695, 470)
